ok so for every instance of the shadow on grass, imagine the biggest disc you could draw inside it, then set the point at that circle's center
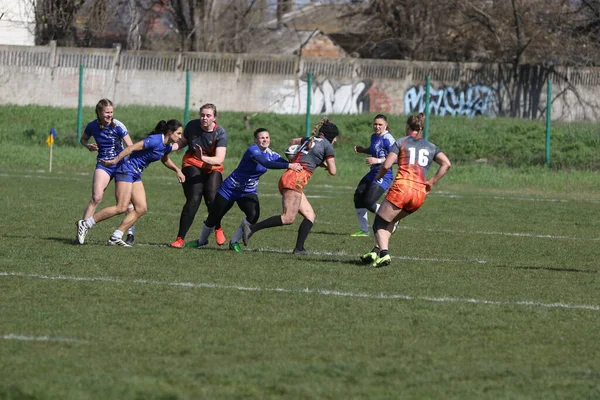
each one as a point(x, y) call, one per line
point(559, 269)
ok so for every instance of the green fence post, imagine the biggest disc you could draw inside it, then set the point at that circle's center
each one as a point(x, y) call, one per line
point(80, 104)
point(427, 85)
point(548, 120)
point(186, 113)
point(308, 99)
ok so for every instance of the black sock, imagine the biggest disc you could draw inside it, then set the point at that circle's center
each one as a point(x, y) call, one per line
point(303, 232)
point(383, 253)
point(376, 250)
point(270, 222)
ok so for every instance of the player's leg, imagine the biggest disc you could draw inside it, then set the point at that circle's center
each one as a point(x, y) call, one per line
point(211, 187)
point(219, 207)
point(192, 189)
point(250, 206)
point(306, 225)
point(140, 206)
point(100, 182)
point(383, 226)
point(360, 207)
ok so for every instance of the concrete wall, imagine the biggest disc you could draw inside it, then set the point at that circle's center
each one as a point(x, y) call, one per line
point(48, 75)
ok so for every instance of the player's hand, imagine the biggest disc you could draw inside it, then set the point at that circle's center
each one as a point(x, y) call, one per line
point(295, 166)
point(180, 177)
point(92, 147)
point(198, 151)
point(371, 160)
point(108, 163)
point(428, 186)
point(359, 149)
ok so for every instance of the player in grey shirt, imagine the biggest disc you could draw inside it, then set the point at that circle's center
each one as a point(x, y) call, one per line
point(314, 151)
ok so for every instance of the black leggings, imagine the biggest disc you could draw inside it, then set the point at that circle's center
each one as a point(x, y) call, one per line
point(220, 206)
point(197, 184)
point(366, 195)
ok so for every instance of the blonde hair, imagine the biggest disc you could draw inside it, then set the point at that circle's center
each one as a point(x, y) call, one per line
point(315, 131)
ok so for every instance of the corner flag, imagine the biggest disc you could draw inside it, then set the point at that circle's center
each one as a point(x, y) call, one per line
point(51, 137)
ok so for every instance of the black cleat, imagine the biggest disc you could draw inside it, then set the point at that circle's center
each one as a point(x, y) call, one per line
point(130, 239)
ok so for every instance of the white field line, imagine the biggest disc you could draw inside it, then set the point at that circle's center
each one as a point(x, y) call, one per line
point(518, 234)
point(322, 292)
point(40, 338)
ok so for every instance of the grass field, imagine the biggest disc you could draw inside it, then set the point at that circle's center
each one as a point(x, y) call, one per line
point(493, 293)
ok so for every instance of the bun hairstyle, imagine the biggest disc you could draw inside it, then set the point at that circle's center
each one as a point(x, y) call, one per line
point(416, 122)
point(323, 128)
point(100, 106)
point(165, 127)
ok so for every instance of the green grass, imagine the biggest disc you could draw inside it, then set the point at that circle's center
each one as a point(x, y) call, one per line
point(492, 292)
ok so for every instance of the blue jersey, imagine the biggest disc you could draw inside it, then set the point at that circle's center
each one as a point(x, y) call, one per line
point(154, 149)
point(380, 147)
point(244, 179)
point(109, 140)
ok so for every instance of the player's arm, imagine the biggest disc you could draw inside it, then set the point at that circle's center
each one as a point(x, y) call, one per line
point(167, 162)
point(128, 150)
point(445, 165)
point(329, 165)
point(280, 163)
point(387, 164)
point(84, 142)
point(217, 159)
point(361, 149)
point(297, 140)
point(127, 140)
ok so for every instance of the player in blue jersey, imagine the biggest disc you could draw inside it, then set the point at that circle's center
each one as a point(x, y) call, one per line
point(109, 135)
point(370, 190)
point(241, 187)
point(316, 151)
point(130, 163)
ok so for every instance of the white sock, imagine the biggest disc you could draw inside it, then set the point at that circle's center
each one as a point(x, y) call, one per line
point(363, 219)
point(117, 234)
point(90, 222)
point(237, 236)
point(205, 233)
point(131, 230)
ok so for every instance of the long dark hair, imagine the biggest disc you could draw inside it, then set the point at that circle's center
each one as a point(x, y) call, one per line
point(165, 127)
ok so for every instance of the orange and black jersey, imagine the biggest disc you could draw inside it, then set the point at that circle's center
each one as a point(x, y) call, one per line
point(209, 141)
point(414, 159)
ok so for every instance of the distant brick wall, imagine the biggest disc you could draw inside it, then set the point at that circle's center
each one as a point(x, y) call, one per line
point(322, 46)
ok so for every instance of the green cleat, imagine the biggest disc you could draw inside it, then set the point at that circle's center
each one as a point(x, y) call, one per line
point(360, 234)
point(368, 257)
point(235, 247)
point(382, 261)
point(194, 244)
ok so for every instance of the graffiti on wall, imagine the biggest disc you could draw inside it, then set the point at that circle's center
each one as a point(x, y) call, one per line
point(327, 97)
point(471, 101)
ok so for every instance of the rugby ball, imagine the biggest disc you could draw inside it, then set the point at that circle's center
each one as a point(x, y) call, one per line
point(291, 151)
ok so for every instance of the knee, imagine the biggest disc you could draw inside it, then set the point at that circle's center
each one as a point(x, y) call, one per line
point(141, 210)
point(121, 209)
point(372, 207)
point(96, 198)
point(288, 219)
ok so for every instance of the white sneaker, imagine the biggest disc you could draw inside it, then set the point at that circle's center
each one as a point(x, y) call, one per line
point(113, 241)
point(82, 230)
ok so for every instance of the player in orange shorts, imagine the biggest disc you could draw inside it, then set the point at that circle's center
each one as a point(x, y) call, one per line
point(313, 152)
point(414, 155)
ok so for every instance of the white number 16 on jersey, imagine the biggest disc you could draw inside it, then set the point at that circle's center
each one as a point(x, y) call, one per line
point(423, 156)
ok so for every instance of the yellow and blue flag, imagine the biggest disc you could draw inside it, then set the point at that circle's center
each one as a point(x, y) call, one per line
point(51, 137)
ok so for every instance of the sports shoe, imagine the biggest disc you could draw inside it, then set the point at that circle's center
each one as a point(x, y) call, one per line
point(360, 234)
point(220, 236)
point(246, 232)
point(178, 243)
point(235, 247)
point(130, 239)
point(300, 252)
point(82, 230)
point(368, 257)
point(113, 241)
point(194, 244)
point(382, 261)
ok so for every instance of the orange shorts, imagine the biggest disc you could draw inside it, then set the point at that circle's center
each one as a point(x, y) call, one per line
point(405, 197)
point(294, 180)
